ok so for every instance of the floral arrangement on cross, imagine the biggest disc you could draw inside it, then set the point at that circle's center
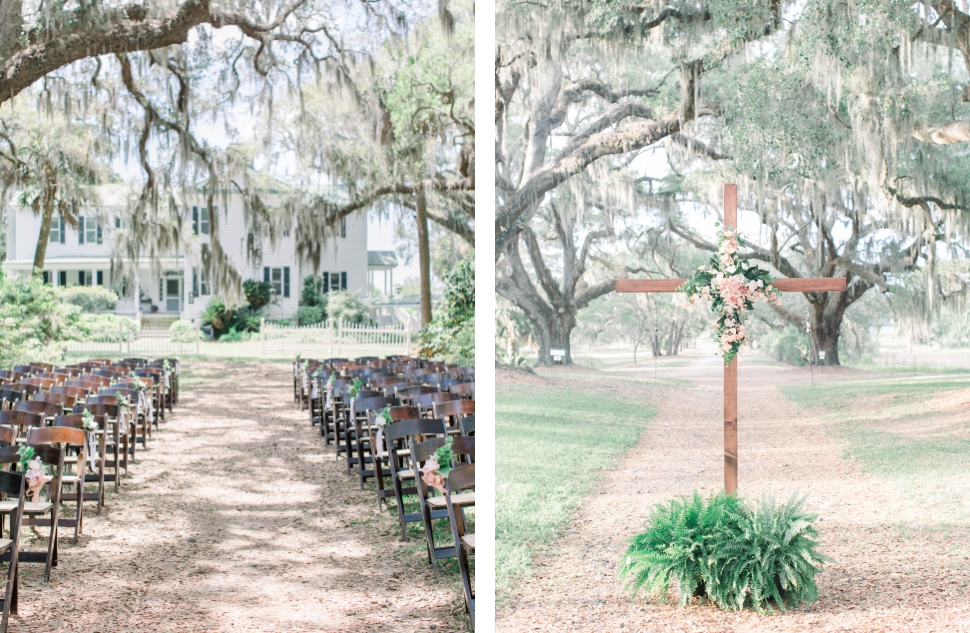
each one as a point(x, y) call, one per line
point(733, 285)
point(436, 468)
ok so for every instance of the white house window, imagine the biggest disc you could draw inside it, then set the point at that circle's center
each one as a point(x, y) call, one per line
point(279, 278)
point(84, 278)
point(92, 231)
point(200, 220)
point(338, 281)
point(200, 284)
point(55, 237)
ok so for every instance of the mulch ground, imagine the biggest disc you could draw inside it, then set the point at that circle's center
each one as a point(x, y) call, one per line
point(895, 569)
point(237, 519)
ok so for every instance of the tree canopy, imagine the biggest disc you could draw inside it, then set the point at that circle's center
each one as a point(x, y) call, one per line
point(841, 123)
point(228, 98)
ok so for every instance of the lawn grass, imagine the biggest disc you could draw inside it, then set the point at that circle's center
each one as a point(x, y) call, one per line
point(550, 443)
point(929, 469)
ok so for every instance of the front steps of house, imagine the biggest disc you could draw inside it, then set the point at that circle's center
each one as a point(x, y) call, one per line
point(157, 321)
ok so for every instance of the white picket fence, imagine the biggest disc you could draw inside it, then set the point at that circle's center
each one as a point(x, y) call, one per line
point(334, 338)
point(127, 340)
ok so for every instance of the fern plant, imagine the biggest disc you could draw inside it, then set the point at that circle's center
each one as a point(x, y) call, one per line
point(680, 544)
point(770, 560)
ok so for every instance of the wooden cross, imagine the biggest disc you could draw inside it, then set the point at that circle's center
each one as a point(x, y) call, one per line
point(803, 284)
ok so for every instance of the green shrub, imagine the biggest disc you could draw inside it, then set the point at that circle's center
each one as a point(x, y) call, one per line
point(89, 298)
point(348, 306)
point(789, 345)
point(770, 559)
point(104, 328)
point(451, 333)
point(308, 315)
point(735, 554)
point(257, 293)
point(679, 544)
point(235, 336)
point(223, 319)
point(33, 321)
point(183, 331)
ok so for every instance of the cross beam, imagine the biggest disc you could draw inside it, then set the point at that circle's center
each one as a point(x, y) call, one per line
point(802, 284)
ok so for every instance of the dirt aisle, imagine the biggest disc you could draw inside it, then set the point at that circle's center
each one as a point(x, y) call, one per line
point(885, 578)
point(237, 519)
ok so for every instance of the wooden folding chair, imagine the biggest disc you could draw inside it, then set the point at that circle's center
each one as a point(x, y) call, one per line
point(142, 425)
point(460, 479)
point(420, 453)
point(116, 444)
point(426, 401)
point(9, 397)
point(62, 439)
point(76, 421)
point(453, 411)
point(47, 409)
point(403, 435)
point(30, 511)
point(467, 425)
point(361, 436)
point(14, 489)
point(380, 450)
point(21, 421)
point(464, 389)
point(64, 400)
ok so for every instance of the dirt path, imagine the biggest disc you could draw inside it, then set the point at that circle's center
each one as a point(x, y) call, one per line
point(237, 519)
point(893, 572)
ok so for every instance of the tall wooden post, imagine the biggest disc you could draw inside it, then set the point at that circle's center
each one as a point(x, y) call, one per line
point(731, 372)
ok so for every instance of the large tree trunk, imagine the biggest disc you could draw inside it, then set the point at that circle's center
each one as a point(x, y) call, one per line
point(424, 257)
point(40, 253)
point(826, 332)
point(555, 334)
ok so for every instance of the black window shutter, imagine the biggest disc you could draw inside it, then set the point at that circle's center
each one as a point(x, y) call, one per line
point(99, 232)
point(286, 281)
point(80, 230)
point(195, 220)
point(195, 281)
point(343, 281)
point(117, 223)
point(266, 274)
point(62, 227)
point(62, 278)
point(326, 282)
point(100, 277)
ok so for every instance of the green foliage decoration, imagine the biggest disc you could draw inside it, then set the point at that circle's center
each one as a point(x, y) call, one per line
point(451, 333)
point(735, 554)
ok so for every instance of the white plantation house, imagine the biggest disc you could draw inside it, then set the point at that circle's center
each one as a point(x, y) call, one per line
point(177, 285)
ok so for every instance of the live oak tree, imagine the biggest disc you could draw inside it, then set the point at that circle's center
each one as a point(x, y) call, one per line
point(415, 154)
point(842, 122)
point(581, 89)
point(194, 88)
point(50, 173)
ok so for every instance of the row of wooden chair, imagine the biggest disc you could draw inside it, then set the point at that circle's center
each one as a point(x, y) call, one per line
point(428, 403)
point(42, 407)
